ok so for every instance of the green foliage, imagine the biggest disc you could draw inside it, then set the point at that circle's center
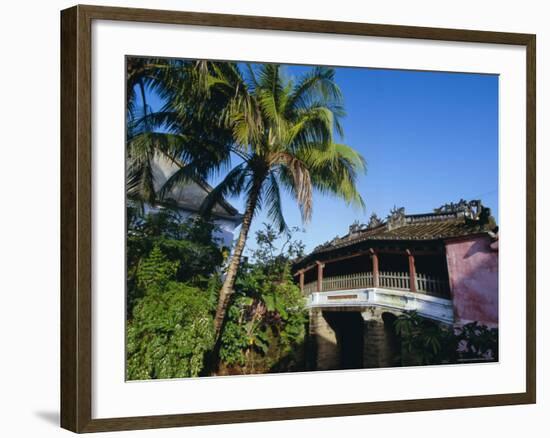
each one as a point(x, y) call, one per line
point(281, 131)
point(172, 289)
point(170, 333)
point(425, 342)
point(186, 130)
point(266, 324)
point(155, 270)
point(191, 254)
point(172, 325)
point(274, 250)
point(188, 241)
point(477, 342)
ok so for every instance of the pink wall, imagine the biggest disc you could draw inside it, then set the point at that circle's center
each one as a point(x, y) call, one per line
point(473, 274)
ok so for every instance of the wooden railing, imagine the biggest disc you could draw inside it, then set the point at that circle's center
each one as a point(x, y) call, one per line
point(395, 280)
point(309, 288)
point(360, 280)
point(432, 285)
point(425, 284)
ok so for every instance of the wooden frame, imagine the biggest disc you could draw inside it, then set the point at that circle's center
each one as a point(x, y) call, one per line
point(76, 174)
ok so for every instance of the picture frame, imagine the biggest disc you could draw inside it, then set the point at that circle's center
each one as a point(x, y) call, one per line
point(77, 228)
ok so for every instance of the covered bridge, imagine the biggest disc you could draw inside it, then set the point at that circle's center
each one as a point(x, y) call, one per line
point(443, 265)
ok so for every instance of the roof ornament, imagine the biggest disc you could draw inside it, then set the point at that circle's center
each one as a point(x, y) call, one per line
point(396, 218)
point(374, 221)
point(469, 209)
point(356, 227)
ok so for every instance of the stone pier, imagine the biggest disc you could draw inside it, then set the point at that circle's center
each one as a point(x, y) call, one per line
point(381, 347)
point(350, 338)
point(325, 351)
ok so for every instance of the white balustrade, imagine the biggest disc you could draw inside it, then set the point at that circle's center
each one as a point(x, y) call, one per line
point(439, 309)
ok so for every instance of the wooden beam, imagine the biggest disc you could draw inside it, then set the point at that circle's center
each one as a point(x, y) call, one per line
point(302, 281)
point(304, 270)
point(337, 259)
point(412, 271)
point(320, 267)
point(375, 269)
point(418, 252)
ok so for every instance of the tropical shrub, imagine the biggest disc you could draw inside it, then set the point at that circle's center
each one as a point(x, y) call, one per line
point(195, 255)
point(170, 330)
point(425, 342)
point(267, 320)
point(266, 323)
point(171, 327)
point(477, 342)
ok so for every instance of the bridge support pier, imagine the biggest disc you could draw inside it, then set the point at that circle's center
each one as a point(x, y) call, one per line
point(381, 345)
point(347, 338)
point(324, 349)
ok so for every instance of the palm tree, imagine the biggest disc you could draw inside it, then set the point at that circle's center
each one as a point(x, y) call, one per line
point(283, 134)
point(177, 130)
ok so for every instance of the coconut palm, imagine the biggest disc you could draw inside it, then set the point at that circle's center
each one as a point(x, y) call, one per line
point(280, 133)
point(176, 131)
point(283, 136)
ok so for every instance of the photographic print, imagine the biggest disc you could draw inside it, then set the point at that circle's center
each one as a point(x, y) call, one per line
point(295, 218)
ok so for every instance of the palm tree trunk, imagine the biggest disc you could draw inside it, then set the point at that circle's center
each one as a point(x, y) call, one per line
point(227, 288)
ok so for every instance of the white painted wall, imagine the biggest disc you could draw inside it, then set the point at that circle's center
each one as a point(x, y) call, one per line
point(30, 266)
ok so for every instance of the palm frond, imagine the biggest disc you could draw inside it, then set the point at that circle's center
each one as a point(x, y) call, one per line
point(234, 183)
point(316, 85)
point(296, 176)
point(313, 127)
point(283, 131)
point(140, 181)
point(273, 202)
point(335, 171)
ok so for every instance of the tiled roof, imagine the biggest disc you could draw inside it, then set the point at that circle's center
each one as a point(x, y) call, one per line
point(431, 226)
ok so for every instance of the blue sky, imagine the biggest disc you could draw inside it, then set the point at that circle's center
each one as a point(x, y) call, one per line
point(428, 138)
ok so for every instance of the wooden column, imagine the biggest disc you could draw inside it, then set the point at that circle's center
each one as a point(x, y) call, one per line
point(301, 281)
point(375, 272)
point(412, 271)
point(320, 267)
